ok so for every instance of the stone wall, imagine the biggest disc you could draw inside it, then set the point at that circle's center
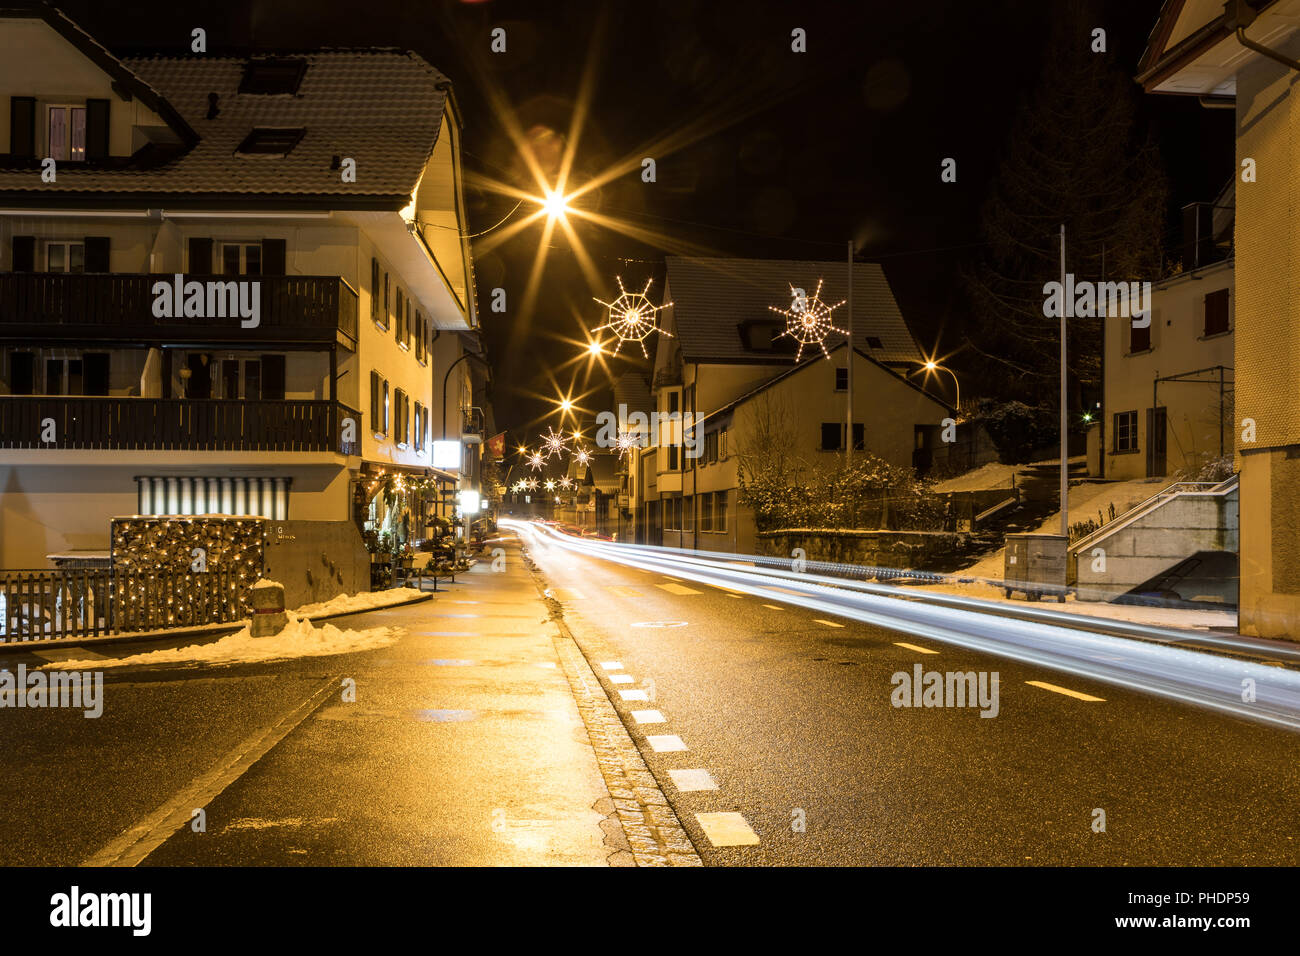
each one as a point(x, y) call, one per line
point(941, 551)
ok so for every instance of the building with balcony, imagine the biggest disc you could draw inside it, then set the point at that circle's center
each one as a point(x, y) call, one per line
point(231, 285)
point(1243, 56)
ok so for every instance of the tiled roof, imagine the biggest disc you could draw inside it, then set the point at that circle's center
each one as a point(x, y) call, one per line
point(382, 108)
point(632, 390)
point(711, 297)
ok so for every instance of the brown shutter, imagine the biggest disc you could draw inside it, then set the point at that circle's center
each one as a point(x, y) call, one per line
point(97, 254)
point(96, 130)
point(22, 126)
point(273, 257)
point(24, 250)
point(200, 256)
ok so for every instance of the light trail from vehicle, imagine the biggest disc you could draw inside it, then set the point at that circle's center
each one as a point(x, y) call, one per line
point(1194, 677)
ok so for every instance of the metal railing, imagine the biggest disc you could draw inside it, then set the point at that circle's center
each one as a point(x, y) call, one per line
point(1176, 490)
point(103, 423)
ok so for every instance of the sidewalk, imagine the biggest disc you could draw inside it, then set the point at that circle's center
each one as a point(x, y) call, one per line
point(464, 747)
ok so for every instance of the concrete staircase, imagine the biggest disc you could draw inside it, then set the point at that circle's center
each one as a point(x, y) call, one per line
point(1181, 520)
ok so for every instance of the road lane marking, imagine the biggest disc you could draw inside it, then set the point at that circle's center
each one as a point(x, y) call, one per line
point(622, 590)
point(649, 717)
point(827, 623)
point(774, 607)
point(690, 781)
point(914, 647)
point(131, 847)
point(1064, 690)
point(634, 695)
point(665, 743)
point(622, 678)
point(678, 589)
point(611, 665)
point(727, 829)
point(735, 595)
point(567, 595)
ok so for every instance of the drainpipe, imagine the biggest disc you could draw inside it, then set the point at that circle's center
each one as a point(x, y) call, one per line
point(1239, 14)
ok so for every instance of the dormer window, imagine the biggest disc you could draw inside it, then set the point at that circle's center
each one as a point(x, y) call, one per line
point(764, 335)
point(272, 76)
point(67, 133)
point(270, 141)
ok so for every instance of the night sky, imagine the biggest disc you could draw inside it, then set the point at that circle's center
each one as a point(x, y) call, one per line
point(788, 155)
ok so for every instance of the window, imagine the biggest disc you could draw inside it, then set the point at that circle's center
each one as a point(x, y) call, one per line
point(405, 432)
point(1139, 340)
point(1216, 312)
point(874, 343)
point(832, 432)
point(674, 406)
point(720, 511)
point(399, 400)
point(722, 444)
point(859, 435)
point(270, 141)
point(387, 409)
point(1126, 432)
point(65, 256)
point(842, 379)
point(419, 337)
point(706, 511)
point(383, 317)
point(688, 513)
point(272, 76)
point(417, 438)
point(710, 447)
point(241, 258)
point(67, 129)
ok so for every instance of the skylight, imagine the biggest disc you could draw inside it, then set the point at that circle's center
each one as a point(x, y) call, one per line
point(270, 77)
point(270, 141)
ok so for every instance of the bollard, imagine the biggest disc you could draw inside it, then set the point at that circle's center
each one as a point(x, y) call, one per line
point(268, 609)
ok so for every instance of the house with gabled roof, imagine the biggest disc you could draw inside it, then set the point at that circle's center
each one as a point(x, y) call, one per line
point(724, 361)
point(229, 285)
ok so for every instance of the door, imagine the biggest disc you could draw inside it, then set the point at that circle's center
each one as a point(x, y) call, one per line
point(1157, 436)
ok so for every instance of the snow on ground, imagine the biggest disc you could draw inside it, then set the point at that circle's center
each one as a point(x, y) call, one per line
point(365, 601)
point(985, 478)
point(299, 639)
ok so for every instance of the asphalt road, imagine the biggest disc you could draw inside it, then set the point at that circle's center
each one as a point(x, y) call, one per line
point(465, 745)
point(790, 714)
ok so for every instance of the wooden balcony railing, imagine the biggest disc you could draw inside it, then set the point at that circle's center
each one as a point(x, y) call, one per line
point(177, 424)
point(119, 306)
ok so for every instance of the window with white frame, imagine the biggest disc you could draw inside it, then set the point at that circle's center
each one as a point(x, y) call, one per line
point(67, 133)
point(240, 258)
point(65, 256)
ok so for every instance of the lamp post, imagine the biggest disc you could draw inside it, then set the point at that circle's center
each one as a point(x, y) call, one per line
point(933, 366)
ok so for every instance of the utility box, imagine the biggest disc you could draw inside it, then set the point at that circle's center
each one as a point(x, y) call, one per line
point(1035, 565)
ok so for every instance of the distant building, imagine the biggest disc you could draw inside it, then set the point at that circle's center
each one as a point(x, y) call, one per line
point(725, 363)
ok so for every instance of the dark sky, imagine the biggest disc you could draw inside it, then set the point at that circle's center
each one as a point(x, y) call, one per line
point(789, 154)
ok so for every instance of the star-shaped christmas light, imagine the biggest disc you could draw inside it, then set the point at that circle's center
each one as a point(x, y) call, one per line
point(566, 483)
point(531, 484)
point(550, 485)
point(581, 456)
point(536, 460)
point(625, 442)
point(554, 443)
point(808, 319)
point(632, 317)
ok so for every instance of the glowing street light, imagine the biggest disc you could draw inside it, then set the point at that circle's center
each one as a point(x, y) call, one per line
point(933, 366)
point(555, 204)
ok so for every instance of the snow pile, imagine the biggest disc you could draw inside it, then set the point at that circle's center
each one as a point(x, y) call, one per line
point(298, 639)
point(365, 601)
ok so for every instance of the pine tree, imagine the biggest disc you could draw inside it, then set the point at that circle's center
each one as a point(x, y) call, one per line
point(1074, 157)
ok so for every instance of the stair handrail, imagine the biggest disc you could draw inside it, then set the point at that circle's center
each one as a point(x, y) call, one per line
point(1177, 489)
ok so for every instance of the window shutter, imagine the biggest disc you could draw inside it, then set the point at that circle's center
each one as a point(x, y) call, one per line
point(273, 377)
point(22, 126)
point(97, 254)
point(273, 257)
point(24, 253)
point(374, 401)
point(96, 130)
point(374, 288)
point(200, 256)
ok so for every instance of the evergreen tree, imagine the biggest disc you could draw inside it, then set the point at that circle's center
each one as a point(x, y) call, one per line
point(1074, 157)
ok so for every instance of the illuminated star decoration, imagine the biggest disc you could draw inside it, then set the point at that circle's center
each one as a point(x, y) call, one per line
point(581, 456)
point(632, 317)
point(531, 484)
point(553, 442)
point(565, 482)
point(808, 319)
point(550, 485)
point(625, 442)
point(536, 460)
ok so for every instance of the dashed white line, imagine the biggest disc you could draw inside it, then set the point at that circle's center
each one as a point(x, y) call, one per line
point(727, 829)
point(689, 781)
point(649, 717)
point(827, 623)
point(634, 695)
point(611, 665)
point(914, 647)
point(665, 743)
point(1056, 689)
point(622, 678)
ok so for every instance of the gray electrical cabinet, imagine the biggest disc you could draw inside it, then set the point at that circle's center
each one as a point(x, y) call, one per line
point(1035, 565)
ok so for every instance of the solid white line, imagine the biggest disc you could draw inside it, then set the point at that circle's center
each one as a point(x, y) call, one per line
point(153, 831)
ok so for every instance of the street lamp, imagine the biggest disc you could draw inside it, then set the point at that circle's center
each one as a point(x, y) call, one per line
point(933, 366)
